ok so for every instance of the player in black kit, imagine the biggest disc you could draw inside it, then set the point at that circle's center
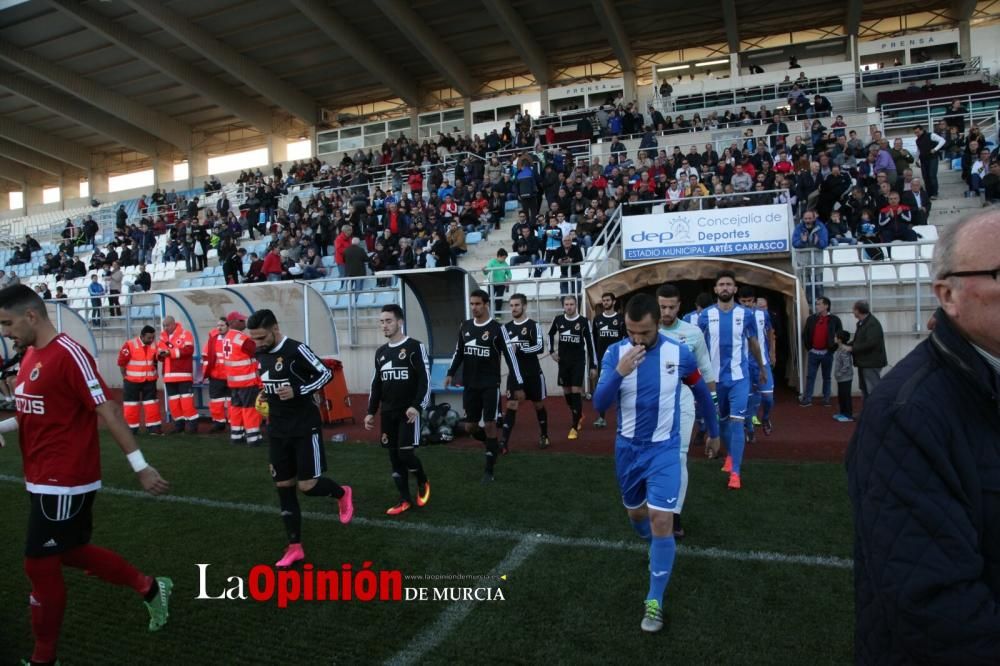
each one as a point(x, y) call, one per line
point(401, 385)
point(576, 349)
point(481, 343)
point(528, 341)
point(609, 328)
point(291, 376)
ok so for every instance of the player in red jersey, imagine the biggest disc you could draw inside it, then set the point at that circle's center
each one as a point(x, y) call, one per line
point(59, 395)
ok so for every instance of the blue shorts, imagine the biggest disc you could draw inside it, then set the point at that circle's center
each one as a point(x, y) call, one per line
point(648, 473)
point(733, 397)
point(755, 384)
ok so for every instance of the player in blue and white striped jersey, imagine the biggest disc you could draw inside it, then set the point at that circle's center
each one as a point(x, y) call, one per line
point(760, 394)
point(703, 300)
point(668, 297)
point(644, 374)
point(730, 331)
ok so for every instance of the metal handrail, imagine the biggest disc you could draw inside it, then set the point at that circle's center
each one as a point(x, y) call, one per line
point(935, 108)
point(927, 70)
point(811, 271)
point(738, 129)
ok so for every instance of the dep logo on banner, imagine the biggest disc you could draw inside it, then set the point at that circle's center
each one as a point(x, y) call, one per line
point(706, 233)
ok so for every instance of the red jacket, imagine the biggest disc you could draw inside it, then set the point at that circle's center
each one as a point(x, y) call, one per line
point(340, 243)
point(416, 181)
point(272, 264)
point(178, 364)
point(213, 365)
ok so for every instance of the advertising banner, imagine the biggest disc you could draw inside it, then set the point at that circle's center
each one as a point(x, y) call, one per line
point(706, 233)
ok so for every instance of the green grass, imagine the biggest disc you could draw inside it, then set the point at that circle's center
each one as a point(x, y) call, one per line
point(564, 604)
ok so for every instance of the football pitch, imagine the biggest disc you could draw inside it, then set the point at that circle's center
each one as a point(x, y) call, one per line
point(763, 576)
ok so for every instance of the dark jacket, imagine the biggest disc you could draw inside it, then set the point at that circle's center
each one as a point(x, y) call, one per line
point(868, 345)
point(833, 327)
point(923, 472)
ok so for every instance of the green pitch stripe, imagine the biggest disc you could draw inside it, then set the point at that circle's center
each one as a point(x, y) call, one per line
point(487, 532)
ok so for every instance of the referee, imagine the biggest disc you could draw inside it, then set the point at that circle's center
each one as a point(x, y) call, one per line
point(292, 375)
point(481, 343)
point(401, 385)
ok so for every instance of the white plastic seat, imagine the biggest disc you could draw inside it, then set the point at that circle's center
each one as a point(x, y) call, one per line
point(910, 271)
point(844, 255)
point(883, 273)
point(851, 275)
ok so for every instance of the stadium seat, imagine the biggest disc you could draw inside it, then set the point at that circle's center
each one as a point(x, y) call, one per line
point(439, 370)
point(185, 283)
point(883, 273)
point(904, 252)
point(331, 301)
point(384, 298)
point(851, 275)
point(365, 299)
point(927, 232)
point(848, 255)
point(473, 238)
point(329, 261)
point(911, 271)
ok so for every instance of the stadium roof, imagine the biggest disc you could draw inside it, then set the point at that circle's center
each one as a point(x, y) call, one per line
point(157, 76)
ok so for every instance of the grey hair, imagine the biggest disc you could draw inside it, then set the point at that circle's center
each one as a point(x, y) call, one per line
point(945, 256)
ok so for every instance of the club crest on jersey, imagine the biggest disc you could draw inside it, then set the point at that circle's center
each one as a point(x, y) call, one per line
point(524, 331)
point(486, 336)
point(671, 368)
point(385, 438)
point(576, 327)
point(37, 370)
point(279, 364)
point(402, 354)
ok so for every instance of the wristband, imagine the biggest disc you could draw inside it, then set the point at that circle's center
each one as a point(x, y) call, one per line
point(137, 461)
point(8, 425)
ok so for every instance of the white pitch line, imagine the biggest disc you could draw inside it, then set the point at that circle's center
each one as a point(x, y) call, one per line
point(449, 619)
point(488, 532)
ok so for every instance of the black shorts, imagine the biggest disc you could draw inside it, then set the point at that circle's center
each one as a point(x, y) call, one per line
point(481, 404)
point(244, 396)
point(218, 388)
point(533, 387)
point(177, 388)
point(397, 433)
point(297, 456)
point(571, 371)
point(58, 523)
point(136, 392)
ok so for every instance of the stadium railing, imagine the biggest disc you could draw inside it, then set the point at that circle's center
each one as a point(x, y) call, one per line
point(902, 116)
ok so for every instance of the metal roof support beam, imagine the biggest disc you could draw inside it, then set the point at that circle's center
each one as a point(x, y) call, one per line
point(267, 84)
point(962, 10)
point(731, 24)
point(43, 142)
point(19, 153)
point(239, 105)
point(608, 17)
point(852, 23)
point(154, 122)
point(18, 173)
point(430, 45)
point(349, 39)
point(84, 114)
point(517, 33)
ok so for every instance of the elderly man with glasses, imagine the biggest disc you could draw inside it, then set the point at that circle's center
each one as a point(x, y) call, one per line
point(924, 474)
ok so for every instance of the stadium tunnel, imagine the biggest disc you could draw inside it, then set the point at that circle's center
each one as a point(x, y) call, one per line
point(785, 295)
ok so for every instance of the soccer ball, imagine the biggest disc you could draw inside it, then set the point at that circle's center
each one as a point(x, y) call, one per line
point(261, 405)
point(445, 434)
point(451, 418)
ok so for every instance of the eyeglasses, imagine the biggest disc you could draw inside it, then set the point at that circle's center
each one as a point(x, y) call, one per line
point(993, 274)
